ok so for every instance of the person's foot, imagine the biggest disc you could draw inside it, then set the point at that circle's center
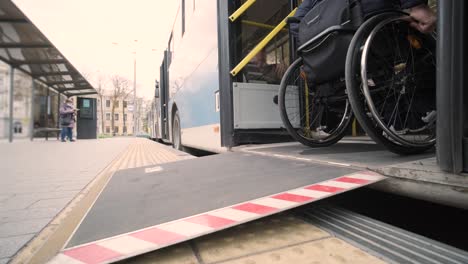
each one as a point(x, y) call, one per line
point(399, 132)
point(63, 140)
point(72, 140)
point(430, 117)
point(319, 134)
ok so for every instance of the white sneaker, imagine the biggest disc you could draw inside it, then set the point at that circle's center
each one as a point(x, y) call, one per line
point(398, 132)
point(430, 117)
point(319, 134)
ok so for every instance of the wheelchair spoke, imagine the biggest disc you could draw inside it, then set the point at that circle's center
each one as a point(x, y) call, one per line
point(393, 77)
point(313, 116)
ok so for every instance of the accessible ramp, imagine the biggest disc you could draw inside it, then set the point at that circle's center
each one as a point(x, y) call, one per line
point(148, 208)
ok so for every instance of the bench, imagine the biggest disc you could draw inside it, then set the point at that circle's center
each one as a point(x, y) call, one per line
point(46, 130)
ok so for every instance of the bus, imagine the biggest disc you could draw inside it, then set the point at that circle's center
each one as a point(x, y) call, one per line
point(199, 102)
point(207, 99)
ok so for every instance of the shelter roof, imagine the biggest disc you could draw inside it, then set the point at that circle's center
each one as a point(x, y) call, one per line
point(23, 46)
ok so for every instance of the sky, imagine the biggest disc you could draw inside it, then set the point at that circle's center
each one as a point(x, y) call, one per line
point(85, 30)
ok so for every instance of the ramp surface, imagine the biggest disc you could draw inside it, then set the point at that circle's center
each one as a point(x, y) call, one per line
point(144, 209)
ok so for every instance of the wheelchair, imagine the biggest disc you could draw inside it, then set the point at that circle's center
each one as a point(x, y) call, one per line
point(375, 68)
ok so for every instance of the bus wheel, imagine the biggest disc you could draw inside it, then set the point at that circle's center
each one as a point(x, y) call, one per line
point(176, 136)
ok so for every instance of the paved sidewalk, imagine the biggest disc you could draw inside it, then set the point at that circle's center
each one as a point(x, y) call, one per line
point(38, 179)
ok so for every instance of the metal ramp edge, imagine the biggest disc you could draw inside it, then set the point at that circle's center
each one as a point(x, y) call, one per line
point(145, 240)
point(393, 244)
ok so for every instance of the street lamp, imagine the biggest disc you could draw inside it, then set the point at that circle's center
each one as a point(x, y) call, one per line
point(134, 84)
point(134, 52)
point(134, 89)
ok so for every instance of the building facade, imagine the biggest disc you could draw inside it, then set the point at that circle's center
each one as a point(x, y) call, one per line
point(120, 121)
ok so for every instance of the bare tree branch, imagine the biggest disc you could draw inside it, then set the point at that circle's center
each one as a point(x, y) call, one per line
point(100, 89)
point(120, 91)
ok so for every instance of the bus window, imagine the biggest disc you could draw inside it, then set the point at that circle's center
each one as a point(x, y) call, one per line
point(255, 24)
point(170, 48)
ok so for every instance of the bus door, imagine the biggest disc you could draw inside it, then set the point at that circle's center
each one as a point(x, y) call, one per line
point(164, 98)
point(260, 53)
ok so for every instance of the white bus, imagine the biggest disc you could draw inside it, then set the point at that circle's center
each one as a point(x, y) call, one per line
point(199, 103)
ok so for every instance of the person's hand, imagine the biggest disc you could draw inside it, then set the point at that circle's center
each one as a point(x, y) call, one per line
point(424, 19)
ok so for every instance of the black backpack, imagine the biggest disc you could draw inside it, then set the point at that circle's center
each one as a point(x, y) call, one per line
point(328, 23)
point(326, 31)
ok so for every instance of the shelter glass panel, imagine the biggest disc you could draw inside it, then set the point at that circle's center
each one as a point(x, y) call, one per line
point(4, 99)
point(40, 106)
point(22, 103)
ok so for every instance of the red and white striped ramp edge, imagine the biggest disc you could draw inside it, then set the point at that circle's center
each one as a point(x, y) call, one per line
point(152, 238)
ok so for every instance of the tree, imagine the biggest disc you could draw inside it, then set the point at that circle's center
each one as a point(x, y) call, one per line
point(124, 119)
point(121, 90)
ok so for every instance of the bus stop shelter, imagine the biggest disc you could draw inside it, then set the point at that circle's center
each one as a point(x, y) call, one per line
point(24, 48)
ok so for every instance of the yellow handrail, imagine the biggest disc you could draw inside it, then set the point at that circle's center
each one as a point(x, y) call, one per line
point(354, 128)
point(261, 45)
point(241, 10)
point(257, 24)
point(307, 125)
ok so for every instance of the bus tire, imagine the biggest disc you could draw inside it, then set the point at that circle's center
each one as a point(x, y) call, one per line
point(176, 134)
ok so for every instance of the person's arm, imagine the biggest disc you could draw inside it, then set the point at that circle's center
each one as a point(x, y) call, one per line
point(407, 4)
point(66, 110)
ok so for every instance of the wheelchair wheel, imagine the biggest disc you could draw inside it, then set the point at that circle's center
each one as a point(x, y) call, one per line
point(390, 79)
point(314, 116)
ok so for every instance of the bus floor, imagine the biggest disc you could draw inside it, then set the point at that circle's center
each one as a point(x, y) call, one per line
point(360, 153)
point(279, 239)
